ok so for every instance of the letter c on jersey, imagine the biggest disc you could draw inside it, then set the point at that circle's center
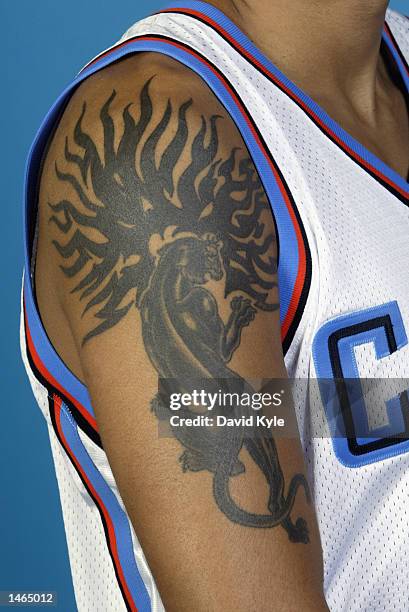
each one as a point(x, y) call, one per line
point(355, 442)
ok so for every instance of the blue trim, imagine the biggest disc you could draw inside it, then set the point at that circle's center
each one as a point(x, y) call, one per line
point(321, 356)
point(241, 39)
point(329, 396)
point(48, 355)
point(397, 58)
point(289, 259)
point(119, 519)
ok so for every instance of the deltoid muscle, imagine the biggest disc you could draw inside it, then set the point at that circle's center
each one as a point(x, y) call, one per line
point(209, 226)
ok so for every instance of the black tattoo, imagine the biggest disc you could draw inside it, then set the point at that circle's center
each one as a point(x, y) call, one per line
point(207, 219)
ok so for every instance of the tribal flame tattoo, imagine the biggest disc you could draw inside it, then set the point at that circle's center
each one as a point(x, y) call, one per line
point(133, 204)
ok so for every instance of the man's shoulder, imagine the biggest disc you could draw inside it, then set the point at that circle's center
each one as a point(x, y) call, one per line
point(142, 83)
point(167, 78)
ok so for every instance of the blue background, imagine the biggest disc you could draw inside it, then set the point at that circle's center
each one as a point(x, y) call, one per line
point(45, 43)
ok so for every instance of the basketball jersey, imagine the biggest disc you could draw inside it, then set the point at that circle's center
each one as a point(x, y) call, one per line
point(342, 218)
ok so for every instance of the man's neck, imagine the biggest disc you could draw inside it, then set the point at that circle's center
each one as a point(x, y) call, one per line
point(319, 44)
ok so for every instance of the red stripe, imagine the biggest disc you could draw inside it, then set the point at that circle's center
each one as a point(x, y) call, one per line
point(290, 93)
point(302, 265)
point(108, 521)
point(50, 378)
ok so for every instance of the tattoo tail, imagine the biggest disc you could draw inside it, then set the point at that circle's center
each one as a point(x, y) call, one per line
point(248, 519)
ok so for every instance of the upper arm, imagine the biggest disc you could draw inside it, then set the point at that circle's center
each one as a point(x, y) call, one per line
point(157, 235)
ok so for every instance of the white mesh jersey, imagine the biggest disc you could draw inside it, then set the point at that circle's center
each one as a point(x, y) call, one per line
point(342, 218)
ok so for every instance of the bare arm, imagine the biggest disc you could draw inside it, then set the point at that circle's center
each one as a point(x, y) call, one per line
point(157, 234)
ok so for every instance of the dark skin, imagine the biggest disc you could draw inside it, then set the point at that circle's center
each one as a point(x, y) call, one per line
point(353, 84)
point(227, 493)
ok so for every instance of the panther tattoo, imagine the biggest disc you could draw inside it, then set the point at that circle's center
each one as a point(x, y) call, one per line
point(209, 225)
